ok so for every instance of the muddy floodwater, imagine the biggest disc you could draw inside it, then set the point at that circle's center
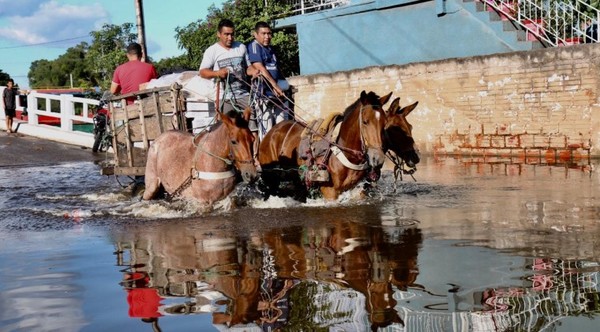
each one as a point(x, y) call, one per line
point(469, 246)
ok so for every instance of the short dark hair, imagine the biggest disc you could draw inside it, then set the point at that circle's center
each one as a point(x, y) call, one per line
point(134, 48)
point(225, 23)
point(261, 24)
point(11, 81)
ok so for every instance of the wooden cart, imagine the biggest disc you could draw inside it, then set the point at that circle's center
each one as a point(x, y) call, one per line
point(136, 125)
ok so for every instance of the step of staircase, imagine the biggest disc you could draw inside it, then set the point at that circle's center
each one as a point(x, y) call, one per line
point(509, 32)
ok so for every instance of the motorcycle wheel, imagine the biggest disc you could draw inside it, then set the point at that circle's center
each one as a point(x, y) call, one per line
point(97, 141)
point(106, 143)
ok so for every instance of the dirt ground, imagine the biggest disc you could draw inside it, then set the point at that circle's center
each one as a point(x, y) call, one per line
point(22, 150)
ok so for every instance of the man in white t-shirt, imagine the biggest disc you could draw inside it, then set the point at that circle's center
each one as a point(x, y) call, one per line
point(227, 60)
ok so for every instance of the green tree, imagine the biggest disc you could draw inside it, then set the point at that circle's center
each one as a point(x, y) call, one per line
point(3, 78)
point(93, 64)
point(42, 74)
point(73, 65)
point(196, 37)
point(107, 51)
point(58, 73)
point(173, 64)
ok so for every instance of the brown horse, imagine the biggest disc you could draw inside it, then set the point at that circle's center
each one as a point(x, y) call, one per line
point(356, 152)
point(398, 135)
point(202, 166)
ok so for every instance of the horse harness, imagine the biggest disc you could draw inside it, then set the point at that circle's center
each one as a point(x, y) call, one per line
point(200, 175)
point(316, 141)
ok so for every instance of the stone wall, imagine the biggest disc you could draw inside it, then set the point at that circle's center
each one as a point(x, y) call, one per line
point(542, 103)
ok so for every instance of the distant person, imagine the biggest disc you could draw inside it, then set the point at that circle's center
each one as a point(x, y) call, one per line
point(591, 32)
point(269, 109)
point(129, 76)
point(9, 102)
point(226, 61)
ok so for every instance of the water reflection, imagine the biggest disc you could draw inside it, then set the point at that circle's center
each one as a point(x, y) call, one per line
point(356, 271)
point(468, 247)
point(38, 293)
point(551, 290)
point(339, 274)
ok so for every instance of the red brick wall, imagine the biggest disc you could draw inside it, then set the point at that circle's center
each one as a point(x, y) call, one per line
point(539, 103)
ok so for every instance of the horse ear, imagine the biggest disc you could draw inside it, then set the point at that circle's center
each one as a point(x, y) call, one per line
point(394, 106)
point(364, 98)
point(247, 113)
point(226, 119)
point(407, 109)
point(383, 100)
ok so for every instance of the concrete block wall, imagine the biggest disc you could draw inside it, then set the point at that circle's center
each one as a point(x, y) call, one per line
point(532, 103)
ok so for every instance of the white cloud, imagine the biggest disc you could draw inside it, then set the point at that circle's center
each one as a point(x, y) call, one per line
point(54, 21)
point(20, 7)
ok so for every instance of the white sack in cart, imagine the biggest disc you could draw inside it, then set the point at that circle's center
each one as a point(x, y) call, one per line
point(193, 86)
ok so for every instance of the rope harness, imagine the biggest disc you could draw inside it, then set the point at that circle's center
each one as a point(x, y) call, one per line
point(338, 151)
point(203, 175)
point(256, 95)
point(400, 168)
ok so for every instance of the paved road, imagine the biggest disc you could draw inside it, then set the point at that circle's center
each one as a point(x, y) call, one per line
point(21, 150)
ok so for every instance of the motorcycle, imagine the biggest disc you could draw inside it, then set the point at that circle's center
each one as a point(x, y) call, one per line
point(101, 131)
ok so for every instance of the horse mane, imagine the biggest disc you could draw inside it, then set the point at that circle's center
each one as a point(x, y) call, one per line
point(372, 99)
point(237, 118)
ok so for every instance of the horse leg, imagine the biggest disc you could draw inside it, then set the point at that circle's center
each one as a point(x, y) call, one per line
point(152, 188)
point(329, 193)
point(151, 179)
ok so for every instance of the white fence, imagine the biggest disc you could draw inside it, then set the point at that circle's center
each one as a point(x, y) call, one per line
point(63, 118)
point(553, 22)
point(300, 7)
point(67, 110)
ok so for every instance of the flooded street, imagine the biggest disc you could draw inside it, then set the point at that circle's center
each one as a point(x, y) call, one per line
point(469, 246)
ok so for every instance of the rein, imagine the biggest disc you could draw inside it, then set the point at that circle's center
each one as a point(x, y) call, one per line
point(399, 168)
point(228, 161)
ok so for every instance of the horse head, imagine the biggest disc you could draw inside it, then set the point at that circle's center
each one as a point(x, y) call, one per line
point(241, 143)
point(371, 124)
point(398, 133)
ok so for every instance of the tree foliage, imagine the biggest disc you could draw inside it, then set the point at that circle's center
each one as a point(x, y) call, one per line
point(93, 64)
point(196, 37)
point(58, 73)
point(108, 51)
point(41, 74)
point(3, 77)
point(87, 65)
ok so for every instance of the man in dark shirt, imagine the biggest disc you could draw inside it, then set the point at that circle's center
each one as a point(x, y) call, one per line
point(271, 107)
point(8, 102)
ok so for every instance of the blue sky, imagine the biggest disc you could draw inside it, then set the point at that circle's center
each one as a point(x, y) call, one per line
point(44, 29)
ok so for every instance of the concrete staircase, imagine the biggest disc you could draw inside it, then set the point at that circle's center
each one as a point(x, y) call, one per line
point(509, 32)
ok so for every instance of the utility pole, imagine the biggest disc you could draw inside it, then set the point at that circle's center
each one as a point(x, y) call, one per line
point(139, 14)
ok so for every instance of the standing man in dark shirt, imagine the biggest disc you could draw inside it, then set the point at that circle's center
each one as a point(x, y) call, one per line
point(8, 101)
point(270, 109)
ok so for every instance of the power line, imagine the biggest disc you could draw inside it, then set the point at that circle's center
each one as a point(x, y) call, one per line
point(45, 43)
